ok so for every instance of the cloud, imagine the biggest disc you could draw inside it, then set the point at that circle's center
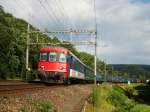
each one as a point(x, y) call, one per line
point(123, 25)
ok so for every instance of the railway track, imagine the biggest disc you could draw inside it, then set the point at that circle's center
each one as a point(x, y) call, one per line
point(21, 88)
point(18, 88)
point(59, 94)
point(13, 88)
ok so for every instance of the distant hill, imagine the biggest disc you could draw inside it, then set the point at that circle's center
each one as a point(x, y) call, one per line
point(133, 70)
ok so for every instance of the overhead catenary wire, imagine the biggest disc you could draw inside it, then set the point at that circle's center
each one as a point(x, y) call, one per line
point(58, 10)
point(62, 16)
point(55, 14)
point(68, 17)
point(31, 14)
point(49, 14)
point(7, 3)
point(61, 10)
point(20, 5)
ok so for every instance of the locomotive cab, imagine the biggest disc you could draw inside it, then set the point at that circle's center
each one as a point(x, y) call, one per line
point(52, 66)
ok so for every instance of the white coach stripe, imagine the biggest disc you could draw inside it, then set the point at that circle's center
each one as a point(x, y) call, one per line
point(76, 74)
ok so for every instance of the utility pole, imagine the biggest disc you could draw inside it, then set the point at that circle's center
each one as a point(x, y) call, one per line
point(37, 37)
point(71, 35)
point(95, 58)
point(27, 51)
point(105, 72)
point(112, 72)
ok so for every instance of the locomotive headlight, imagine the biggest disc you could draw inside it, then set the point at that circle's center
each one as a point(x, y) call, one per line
point(43, 67)
point(61, 68)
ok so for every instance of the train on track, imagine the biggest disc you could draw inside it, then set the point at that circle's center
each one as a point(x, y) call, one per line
point(58, 64)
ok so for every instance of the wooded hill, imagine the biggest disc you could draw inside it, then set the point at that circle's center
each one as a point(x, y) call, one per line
point(132, 70)
point(13, 34)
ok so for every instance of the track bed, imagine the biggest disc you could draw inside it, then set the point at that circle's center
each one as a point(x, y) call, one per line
point(64, 98)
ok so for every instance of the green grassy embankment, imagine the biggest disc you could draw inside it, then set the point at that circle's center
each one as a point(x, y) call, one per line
point(107, 98)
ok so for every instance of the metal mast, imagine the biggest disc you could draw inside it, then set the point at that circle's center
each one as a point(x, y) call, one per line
point(27, 51)
point(95, 57)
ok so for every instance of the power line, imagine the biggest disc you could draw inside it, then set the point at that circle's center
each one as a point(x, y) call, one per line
point(20, 5)
point(54, 13)
point(49, 14)
point(66, 14)
point(30, 12)
point(61, 13)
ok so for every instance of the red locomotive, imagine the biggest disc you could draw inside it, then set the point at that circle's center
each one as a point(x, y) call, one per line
point(57, 64)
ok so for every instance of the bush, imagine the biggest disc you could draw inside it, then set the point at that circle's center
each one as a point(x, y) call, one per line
point(42, 106)
point(32, 75)
point(117, 98)
point(114, 99)
point(141, 108)
point(24, 109)
point(95, 95)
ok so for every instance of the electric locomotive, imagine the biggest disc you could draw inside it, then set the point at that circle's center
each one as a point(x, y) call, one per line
point(58, 64)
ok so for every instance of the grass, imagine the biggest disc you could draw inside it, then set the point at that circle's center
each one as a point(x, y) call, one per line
point(107, 98)
point(141, 108)
point(42, 106)
point(97, 101)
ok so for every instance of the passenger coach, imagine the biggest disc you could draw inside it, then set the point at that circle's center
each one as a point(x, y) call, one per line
point(57, 64)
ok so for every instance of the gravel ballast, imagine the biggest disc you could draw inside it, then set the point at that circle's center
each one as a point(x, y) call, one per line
point(63, 98)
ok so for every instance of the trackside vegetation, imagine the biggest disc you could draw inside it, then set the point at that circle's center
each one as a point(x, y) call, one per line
point(107, 98)
point(43, 106)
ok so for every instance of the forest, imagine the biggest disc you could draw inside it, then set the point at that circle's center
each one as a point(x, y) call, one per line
point(131, 70)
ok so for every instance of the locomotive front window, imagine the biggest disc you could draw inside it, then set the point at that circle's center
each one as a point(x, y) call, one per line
point(62, 57)
point(43, 56)
point(52, 56)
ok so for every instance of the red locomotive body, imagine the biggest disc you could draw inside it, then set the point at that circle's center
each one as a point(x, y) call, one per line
point(53, 64)
point(58, 64)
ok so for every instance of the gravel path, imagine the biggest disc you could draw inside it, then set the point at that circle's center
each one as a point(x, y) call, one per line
point(64, 98)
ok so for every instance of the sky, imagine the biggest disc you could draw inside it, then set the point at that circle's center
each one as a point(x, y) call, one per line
point(123, 25)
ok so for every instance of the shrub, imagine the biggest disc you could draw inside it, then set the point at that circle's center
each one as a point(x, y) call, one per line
point(117, 98)
point(24, 109)
point(42, 106)
point(141, 108)
point(95, 95)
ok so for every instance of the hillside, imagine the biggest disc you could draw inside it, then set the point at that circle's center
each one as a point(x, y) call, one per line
point(13, 34)
point(133, 70)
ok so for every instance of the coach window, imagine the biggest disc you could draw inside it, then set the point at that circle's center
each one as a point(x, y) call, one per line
point(43, 56)
point(62, 57)
point(52, 56)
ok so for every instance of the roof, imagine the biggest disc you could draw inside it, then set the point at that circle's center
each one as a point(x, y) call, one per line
point(54, 49)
